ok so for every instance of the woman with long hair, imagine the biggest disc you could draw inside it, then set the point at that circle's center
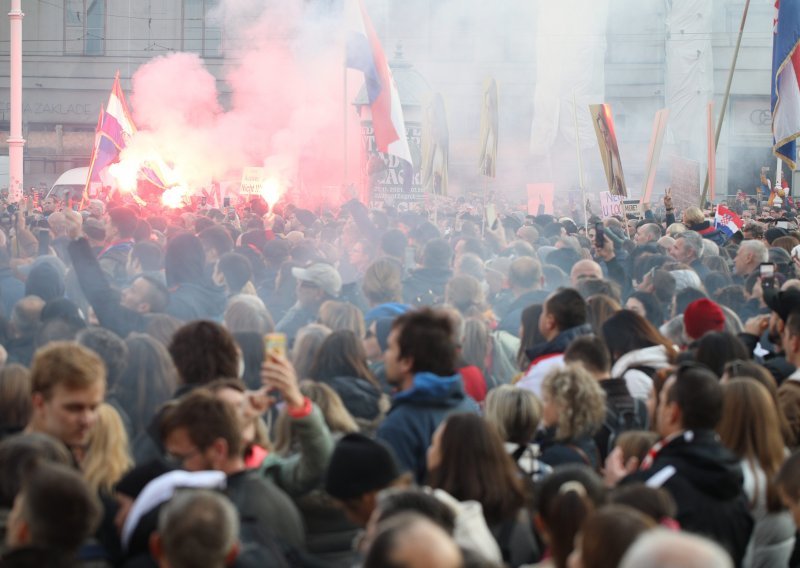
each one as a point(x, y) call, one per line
point(149, 380)
point(529, 334)
point(750, 429)
point(752, 371)
point(108, 455)
point(637, 349)
point(716, 348)
point(341, 363)
point(599, 308)
point(15, 399)
point(562, 502)
point(574, 407)
point(342, 315)
point(467, 459)
point(338, 419)
point(305, 348)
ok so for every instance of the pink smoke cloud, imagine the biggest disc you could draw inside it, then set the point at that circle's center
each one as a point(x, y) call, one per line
point(286, 108)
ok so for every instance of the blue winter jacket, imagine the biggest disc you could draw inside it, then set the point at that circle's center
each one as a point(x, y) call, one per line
point(415, 415)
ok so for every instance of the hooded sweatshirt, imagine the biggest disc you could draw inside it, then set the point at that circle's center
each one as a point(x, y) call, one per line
point(415, 415)
point(639, 382)
point(192, 295)
point(426, 286)
point(705, 479)
point(548, 356)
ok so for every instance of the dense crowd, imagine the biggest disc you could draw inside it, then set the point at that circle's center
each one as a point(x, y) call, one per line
point(455, 389)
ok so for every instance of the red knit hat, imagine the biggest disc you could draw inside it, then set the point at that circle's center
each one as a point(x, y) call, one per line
point(702, 316)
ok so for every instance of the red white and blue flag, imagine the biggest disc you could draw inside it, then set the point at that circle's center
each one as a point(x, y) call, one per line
point(114, 128)
point(727, 221)
point(786, 80)
point(364, 53)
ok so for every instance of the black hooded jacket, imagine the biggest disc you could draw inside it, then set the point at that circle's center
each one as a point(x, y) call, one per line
point(192, 295)
point(425, 286)
point(705, 479)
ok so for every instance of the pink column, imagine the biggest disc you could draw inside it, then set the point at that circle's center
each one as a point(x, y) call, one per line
point(15, 142)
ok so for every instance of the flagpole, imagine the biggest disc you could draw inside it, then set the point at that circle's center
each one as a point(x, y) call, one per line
point(580, 163)
point(727, 96)
point(344, 121)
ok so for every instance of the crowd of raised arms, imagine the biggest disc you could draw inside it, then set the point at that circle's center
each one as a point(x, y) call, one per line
point(435, 388)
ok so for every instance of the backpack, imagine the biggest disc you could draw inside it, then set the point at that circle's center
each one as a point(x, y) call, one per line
point(622, 415)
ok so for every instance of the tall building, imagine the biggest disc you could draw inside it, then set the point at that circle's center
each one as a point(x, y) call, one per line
point(652, 54)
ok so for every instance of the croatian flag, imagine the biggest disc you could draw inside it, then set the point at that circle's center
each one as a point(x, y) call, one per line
point(727, 221)
point(114, 128)
point(786, 80)
point(364, 53)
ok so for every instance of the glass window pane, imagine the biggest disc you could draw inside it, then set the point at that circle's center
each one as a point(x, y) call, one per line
point(95, 27)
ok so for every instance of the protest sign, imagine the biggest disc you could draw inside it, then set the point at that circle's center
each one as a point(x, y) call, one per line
point(685, 182)
point(252, 181)
point(631, 208)
point(610, 205)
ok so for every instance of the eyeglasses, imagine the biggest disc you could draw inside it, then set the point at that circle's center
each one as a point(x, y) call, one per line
point(177, 460)
point(307, 284)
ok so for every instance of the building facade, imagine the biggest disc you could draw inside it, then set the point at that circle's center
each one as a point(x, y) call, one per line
point(73, 48)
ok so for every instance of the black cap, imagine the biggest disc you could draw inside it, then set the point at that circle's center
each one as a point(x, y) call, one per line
point(360, 465)
point(783, 303)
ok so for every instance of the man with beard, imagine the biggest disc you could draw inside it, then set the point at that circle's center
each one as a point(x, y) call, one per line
point(121, 313)
point(202, 433)
point(781, 304)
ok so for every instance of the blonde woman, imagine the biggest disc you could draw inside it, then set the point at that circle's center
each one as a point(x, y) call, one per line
point(516, 414)
point(342, 315)
point(574, 407)
point(338, 419)
point(107, 456)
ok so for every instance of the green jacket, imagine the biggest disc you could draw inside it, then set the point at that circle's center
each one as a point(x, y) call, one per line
point(304, 471)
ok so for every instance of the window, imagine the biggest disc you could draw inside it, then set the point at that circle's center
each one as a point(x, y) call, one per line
point(202, 28)
point(84, 27)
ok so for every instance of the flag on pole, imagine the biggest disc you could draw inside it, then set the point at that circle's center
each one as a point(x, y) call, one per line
point(727, 221)
point(364, 53)
point(435, 147)
point(712, 151)
point(114, 127)
point(786, 80)
point(490, 122)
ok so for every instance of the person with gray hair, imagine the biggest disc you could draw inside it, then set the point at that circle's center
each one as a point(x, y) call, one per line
point(196, 528)
point(647, 233)
point(660, 548)
point(688, 249)
point(750, 255)
point(247, 313)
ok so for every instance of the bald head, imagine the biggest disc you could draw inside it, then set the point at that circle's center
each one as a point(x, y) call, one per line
point(660, 548)
point(584, 269)
point(413, 541)
point(525, 274)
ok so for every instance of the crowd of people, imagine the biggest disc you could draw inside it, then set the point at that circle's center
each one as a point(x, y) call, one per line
point(245, 386)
